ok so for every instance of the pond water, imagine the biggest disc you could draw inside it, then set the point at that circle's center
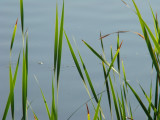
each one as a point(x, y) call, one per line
point(84, 20)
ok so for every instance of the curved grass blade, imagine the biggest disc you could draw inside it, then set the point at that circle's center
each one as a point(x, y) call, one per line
point(88, 78)
point(35, 117)
point(44, 99)
point(140, 102)
point(99, 56)
point(149, 100)
point(83, 105)
point(11, 91)
point(13, 35)
point(60, 48)
point(78, 67)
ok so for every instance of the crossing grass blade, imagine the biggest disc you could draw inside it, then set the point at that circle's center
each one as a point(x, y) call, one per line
point(107, 88)
point(150, 97)
point(123, 107)
point(149, 100)
point(140, 101)
point(60, 48)
point(114, 99)
point(97, 109)
point(120, 107)
point(99, 56)
point(35, 116)
point(12, 90)
point(44, 99)
point(144, 27)
point(88, 78)
point(78, 67)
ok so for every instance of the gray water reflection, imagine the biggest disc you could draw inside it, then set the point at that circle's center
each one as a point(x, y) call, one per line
point(84, 19)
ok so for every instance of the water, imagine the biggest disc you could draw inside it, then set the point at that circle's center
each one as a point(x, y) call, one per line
point(83, 20)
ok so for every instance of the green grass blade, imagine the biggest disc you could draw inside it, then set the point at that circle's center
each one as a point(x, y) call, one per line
point(107, 88)
point(24, 89)
point(11, 91)
point(53, 109)
point(22, 15)
point(114, 99)
point(44, 99)
point(114, 58)
point(150, 97)
point(118, 56)
point(13, 36)
point(35, 116)
point(149, 100)
point(78, 66)
point(99, 56)
point(56, 40)
point(60, 47)
point(156, 94)
point(124, 73)
point(140, 102)
point(120, 107)
point(123, 107)
point(97, 109)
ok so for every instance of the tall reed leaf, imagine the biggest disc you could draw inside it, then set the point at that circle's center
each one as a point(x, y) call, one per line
point(44, 99)
point(56, 40)
point(22, 15)
point(140, 102)
point(12, 90)
point(13, 35)
point(114, 99)
point(60, 47)
point(97, 109)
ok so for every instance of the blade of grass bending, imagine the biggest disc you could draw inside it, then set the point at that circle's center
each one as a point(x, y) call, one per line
point(35, 117)
point(60, 48)
point(88, 78)
point(140, 102)
point(118, 56)
point(114, 58)
point(99, 56)
point(22, 15)
point(97, 109)
point(11, 91)
point(114, 99)
point(143, 25)
point(56, 40)
point(83, 105)
point(78, 67)
point(107, 88)
point(13, 35)
point(44, 99)
point(149, 100)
